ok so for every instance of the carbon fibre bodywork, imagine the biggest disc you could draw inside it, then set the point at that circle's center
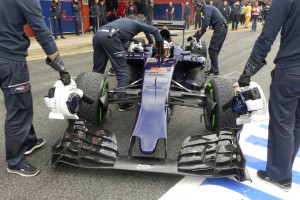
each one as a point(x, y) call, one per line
point(159, 84)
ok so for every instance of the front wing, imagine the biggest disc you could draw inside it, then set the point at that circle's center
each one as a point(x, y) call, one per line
point(210, 155)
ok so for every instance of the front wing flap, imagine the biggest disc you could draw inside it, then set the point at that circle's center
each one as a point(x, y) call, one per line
point(211, 155)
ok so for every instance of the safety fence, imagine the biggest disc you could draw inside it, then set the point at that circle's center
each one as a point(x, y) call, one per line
point(69, 22)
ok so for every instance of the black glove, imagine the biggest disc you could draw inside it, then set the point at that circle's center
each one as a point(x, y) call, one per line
point(252, 66)
point(58, 65)
point(189, 38)
point(199, 34)
point(160, 48)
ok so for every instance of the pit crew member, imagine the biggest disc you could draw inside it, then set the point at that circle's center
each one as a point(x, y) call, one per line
point(213, 17)
point(20, 137)
point(284, 103)
point(108, 44)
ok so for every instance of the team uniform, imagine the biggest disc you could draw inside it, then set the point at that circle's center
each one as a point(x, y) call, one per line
point(106, 47)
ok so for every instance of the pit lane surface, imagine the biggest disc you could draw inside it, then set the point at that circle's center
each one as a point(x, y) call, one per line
point(66, 182)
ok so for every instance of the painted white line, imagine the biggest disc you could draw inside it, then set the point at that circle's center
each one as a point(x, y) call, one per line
point(183, 189)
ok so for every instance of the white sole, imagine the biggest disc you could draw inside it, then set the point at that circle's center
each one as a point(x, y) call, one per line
point(34, 148)
point(25, 175)
point(285, 190)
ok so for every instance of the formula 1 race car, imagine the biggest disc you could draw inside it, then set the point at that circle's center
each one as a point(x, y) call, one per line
point(157, 84)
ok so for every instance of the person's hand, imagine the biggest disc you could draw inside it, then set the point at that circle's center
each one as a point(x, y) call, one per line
point(54, 17)
point(252, 67)
point(58, 65)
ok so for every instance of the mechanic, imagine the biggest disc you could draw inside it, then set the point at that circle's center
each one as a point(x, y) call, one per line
point(187, 12)
point(76, 8)
point(213, 17)
point(108, 44)
point(20, 137)
point(170, 11)
point(284, 106)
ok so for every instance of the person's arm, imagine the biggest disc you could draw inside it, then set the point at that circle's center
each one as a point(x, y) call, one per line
point(173, 9)
point(278, 14)
point(206, 21)
point(32, 12)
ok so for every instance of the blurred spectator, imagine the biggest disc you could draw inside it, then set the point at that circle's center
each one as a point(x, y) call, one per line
point(198, 17)
point(76, 8)
point(187, 13)
point(131, 9)
point(211, 3)
point(102, 14)
point(170, 11)
point(95, 12)
point(242, 16)
point(256, 12)
point(149, 12)
point(225, 10)
point(265, 12)
point(57, 15)
point(235, 15)
point(247, 14)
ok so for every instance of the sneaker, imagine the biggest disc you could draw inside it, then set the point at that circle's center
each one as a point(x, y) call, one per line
point(126, 107)
point(27, 171)
point(211, 74)
point(214, 75)
point(284, 185)
point(111, 72)
point(63, 37)
point(40, 143)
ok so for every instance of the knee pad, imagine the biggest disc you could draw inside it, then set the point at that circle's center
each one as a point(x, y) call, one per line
point(212, 53)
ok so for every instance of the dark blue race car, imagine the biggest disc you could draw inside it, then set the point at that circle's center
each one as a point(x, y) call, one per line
point(157, 85)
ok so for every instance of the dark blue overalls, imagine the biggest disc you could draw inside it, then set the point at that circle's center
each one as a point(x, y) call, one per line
point(14, 77)
point(56, 13)
point(76, 8)
point(284, 103)
point(111, 48)
point(214, 18)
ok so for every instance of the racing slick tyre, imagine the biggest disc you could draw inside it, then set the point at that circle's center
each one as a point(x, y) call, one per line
point(95, 85)
point(220, 91)
point(203, 50)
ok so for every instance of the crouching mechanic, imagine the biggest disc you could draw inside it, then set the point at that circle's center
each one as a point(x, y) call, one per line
point(20, 137)
point(214, 18)
point(284, 103)
point(108, 44)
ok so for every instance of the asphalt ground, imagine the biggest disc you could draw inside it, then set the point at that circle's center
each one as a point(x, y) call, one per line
point(67, 182)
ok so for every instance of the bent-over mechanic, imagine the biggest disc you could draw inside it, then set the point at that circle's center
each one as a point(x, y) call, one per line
point(214, 18)
point(108, 44)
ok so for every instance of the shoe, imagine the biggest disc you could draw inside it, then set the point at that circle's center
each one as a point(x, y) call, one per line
point(211, 74)
point(40, 143)
point(126, 107)
point(63, 37)
point(284, 185)
point(55, 38)
point(111, 72)
point(27, 171)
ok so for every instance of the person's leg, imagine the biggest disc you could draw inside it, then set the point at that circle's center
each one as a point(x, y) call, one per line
point(55, 28)
point(100, 57)
point(236, 22)
point(296, 134)
point(215, 46)
point(60, 21)
point(18, 101)
point(116, 55)
point(283, 105)
point(255, 23)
